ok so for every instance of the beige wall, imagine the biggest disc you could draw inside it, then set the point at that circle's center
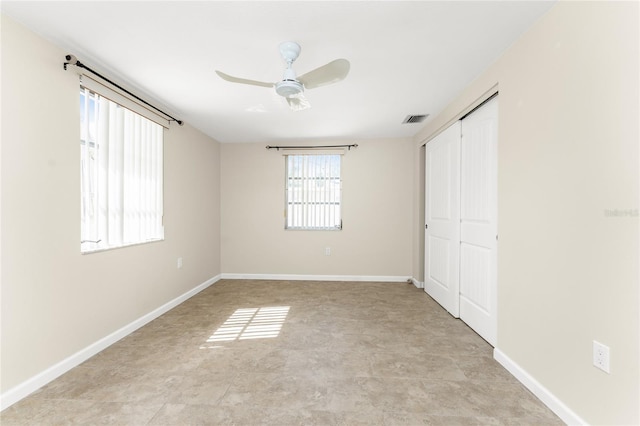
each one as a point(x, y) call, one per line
point(376, 239)
point(56, 301)
point(568, 152)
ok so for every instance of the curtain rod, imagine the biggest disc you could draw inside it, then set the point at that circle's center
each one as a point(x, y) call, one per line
point(313, 147)
point(70, 59)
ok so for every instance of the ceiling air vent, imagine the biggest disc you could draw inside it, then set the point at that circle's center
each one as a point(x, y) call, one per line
point(414, 118)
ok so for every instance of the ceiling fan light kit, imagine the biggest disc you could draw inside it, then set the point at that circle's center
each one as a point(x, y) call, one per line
point(298, 102)
point(291, 87)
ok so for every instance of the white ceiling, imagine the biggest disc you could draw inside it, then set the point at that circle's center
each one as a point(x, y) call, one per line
point(406, 57)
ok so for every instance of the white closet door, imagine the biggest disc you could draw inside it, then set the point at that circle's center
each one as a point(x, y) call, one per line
point(442, 217)
point(478, 220)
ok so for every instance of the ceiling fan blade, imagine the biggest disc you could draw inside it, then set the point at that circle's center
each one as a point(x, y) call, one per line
point(332, 72)
point(298, 102)
point(242, 80)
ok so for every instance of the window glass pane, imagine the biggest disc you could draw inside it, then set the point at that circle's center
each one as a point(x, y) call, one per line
point(121, 156)
point(313, 192)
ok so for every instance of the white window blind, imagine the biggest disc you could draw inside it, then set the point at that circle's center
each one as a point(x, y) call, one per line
point(313, 192)
point(121, 175)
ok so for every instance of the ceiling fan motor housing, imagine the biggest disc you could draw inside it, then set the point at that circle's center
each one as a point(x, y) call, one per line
point(288, 88)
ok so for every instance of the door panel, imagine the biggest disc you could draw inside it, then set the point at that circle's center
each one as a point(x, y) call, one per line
point(475, 264)
point(442, 217)
point(478, 220)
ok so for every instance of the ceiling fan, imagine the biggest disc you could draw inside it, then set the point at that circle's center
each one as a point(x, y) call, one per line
point(292, 88)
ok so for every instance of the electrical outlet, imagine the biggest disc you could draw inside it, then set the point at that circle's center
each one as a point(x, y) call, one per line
point(601, 356)
point(327, 251)
point(179, 263)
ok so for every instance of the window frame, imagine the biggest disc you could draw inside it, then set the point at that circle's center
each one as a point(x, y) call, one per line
point(327, 179)
point(94, 240)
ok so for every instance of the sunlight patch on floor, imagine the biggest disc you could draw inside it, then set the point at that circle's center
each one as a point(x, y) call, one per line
point(251, 323)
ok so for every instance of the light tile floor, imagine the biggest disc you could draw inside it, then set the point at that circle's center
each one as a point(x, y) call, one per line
point(347, 353)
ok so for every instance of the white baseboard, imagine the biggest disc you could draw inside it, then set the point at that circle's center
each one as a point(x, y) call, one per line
point(418, 284)
point(543, 394)
point(294, 277)
point(25, 388)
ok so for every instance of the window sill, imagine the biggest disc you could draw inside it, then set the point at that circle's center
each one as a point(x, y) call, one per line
point(313, 229)
point(101, 249)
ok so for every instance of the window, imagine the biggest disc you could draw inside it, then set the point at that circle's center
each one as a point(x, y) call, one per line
point(121, 175)
point(313, 192)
